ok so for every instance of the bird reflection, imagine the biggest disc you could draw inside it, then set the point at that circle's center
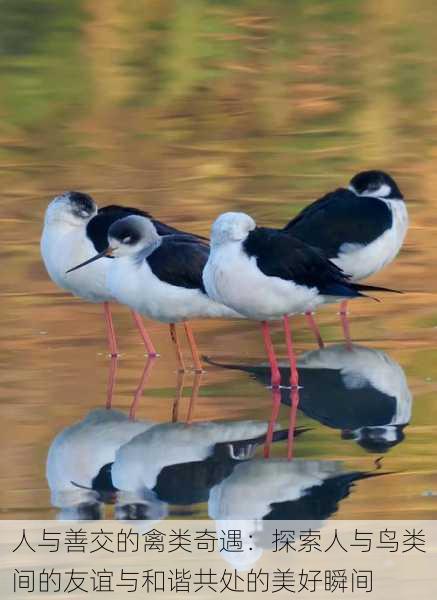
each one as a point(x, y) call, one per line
point(361, 391)
point(278, 489)
point(77, 460)
point(143, 467)
point(180, 463)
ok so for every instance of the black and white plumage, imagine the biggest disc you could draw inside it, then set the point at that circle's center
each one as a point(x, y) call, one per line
point(265, 273)
point(160, 277)
point(261, 491)
point(77, 460)
point(74, 230)
point(278, 489)
point(98, 227)
point(369, 400)
point(361, 228)
point(179, 463)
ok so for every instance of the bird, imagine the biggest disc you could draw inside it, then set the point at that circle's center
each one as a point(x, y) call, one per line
point(360, 228)
point(74, 229)
point(259, 491)
point(143, 462)
point(369, 398)
point(265, 274)
point(87, 468)
point(77, 461)
point(160, 277)
point(371, 402)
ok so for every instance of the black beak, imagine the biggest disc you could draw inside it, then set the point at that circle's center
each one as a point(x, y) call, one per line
point(106, 252)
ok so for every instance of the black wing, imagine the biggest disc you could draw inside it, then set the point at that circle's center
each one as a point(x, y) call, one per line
point(341, 217)
point(319, 502)
point(279, 254)
point(97, 228)
point(180, 261)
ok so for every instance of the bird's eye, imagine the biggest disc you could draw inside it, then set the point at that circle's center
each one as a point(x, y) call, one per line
point(127, 239)
point(84, 213)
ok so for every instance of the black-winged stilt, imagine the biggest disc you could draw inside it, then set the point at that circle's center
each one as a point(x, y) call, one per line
point(361, 228)
point(160, 277)
point(74, 229)
point(369, 398)
point(266, 274)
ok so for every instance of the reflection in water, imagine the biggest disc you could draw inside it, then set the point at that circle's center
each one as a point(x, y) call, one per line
point(279, 489)
point(141, 385)
point(359, 390)
point(144, 467)
point(77, 457)
point(182, 462)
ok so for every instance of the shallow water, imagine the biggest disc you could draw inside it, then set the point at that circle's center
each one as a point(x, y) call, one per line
point(187, 110)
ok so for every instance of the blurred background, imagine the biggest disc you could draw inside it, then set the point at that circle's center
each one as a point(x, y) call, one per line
point(187, 109)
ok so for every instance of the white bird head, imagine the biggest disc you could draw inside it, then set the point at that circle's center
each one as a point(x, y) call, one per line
point(231, 227)
point(71, 208)
point(128, 237)
point(131, 235)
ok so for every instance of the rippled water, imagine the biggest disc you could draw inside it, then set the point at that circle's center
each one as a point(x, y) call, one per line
point(187, 110)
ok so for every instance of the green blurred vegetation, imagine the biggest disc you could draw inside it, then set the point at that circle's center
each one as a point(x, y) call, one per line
point(275, 81)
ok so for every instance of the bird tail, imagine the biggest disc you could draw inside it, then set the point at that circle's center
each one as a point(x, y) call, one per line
point(362, 287)
point(215, 363)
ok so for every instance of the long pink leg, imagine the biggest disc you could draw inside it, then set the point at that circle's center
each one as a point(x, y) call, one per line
point(145, 336)
point(194, 396)
point(294, 377)
point(345, 323)
point(294, 403)
point(276, 375)
point(140, 389)
point(193, 347)
point(294, 382)
point(314, 328)
point(175, 340)
point(178, 396)
point(276, 405)
point(111, 381)
point(110, 330)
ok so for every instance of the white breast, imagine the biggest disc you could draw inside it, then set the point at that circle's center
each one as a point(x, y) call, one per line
point(363, 261)
point(64, 247)
point(135, 285)
point(79, 452)
point(233, 278)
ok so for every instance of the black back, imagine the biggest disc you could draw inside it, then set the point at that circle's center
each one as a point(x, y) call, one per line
point(180, 261)
point(319, 502)
point(97, 228)
point(341, 217)
point(191, 482)
point(325, 398)
point(281, 255)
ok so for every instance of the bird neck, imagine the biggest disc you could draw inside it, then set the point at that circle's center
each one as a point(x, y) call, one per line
point(146, 251)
